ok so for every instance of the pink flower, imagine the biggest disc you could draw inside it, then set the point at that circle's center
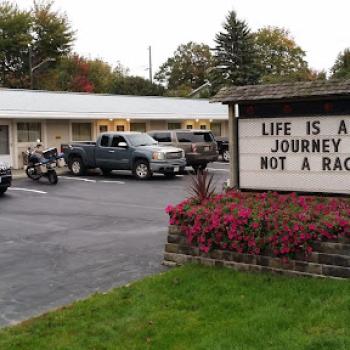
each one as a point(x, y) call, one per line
point(255, 225)
point(312, 227)
point(169, 208)
point(285, 223)
point(244, 212)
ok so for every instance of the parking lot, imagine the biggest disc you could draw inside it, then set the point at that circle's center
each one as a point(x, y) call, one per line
point(87, 234)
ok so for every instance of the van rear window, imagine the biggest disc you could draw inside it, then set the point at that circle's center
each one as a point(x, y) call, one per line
point(162, 137)
point(194, 137)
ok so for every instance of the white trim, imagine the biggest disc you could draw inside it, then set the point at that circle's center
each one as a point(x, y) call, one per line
point(111, 115)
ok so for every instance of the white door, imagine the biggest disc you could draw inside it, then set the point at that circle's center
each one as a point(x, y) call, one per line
point(5, 143)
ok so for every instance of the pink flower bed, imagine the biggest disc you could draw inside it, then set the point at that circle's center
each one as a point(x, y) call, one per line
point(261, 223)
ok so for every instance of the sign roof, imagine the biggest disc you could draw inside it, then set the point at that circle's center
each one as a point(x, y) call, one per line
point(324, 89)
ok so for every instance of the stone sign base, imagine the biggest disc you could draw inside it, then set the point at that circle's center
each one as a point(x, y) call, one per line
point(329, 259)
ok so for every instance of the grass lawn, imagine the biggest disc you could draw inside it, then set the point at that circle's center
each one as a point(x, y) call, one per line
point(196, 307)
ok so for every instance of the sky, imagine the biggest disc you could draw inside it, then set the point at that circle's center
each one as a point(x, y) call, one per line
point(122, 30)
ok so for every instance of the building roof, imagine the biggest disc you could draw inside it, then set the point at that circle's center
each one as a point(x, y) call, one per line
point(286, 91)
point(64, 105)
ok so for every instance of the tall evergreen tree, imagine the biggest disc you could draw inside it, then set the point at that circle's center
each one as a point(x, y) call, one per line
point(235, 54)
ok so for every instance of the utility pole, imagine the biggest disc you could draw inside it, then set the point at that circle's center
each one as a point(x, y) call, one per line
point(30, 54)
point(150, 64)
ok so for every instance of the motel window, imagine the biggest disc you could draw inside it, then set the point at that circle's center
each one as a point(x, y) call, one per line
point(81, 131)
point(173, 126)
point(120, 128)
point(4, 139)
point(141, 127)
point(189, 126)
point(103, 128)
point(28, 132)
point(216, 129)
point(203, 127)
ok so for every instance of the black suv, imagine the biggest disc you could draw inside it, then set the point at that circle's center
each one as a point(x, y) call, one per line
point(223, 148)
point(5, 178)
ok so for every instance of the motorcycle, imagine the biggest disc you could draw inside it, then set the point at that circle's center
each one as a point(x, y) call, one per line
point(42, 163)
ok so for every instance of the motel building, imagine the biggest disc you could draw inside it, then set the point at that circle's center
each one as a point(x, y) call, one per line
point(60, 117)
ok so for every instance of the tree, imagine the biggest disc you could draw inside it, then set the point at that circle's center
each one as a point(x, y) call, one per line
point(70, 74)
point(341, 67)
point(280, 58)
point(14, 40)
point(46, 31)
point(187, 69)
point(52, 33)
point(317, 75)
point(133, 85)
point(101, 75)
point(235, 54)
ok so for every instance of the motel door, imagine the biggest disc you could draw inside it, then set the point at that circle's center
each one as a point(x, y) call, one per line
point(5, 143)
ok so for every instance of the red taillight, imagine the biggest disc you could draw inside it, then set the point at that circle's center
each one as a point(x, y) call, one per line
point(194, 148)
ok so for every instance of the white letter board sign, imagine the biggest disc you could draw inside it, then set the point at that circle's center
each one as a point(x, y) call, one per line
point(305, 154)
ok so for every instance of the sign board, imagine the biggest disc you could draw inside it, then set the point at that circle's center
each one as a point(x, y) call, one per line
point(306, 154)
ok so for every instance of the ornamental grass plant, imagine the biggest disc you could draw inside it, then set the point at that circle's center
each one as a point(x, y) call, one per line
point(267, 223)
point(201, 186)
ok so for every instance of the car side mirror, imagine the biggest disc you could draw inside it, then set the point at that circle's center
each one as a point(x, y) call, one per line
point(123, 145)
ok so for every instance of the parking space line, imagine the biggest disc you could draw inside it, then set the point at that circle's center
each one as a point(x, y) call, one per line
point(26, 190)
point(113, 182)
point(77, 179)
point(215, 169)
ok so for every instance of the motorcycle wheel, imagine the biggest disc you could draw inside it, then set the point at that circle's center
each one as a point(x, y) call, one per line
point(53, 178)
point(32, 175)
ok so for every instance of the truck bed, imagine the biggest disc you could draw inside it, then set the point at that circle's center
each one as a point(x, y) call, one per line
point(85, 149)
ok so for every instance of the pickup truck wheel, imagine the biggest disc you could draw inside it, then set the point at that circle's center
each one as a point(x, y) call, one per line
point(76, 166)
point(226, 156)
point(142, 170)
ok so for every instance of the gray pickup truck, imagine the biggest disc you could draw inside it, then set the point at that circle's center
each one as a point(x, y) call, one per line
point(133, 151)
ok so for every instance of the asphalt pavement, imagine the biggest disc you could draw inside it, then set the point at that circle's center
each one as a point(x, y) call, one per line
point(86, 234)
